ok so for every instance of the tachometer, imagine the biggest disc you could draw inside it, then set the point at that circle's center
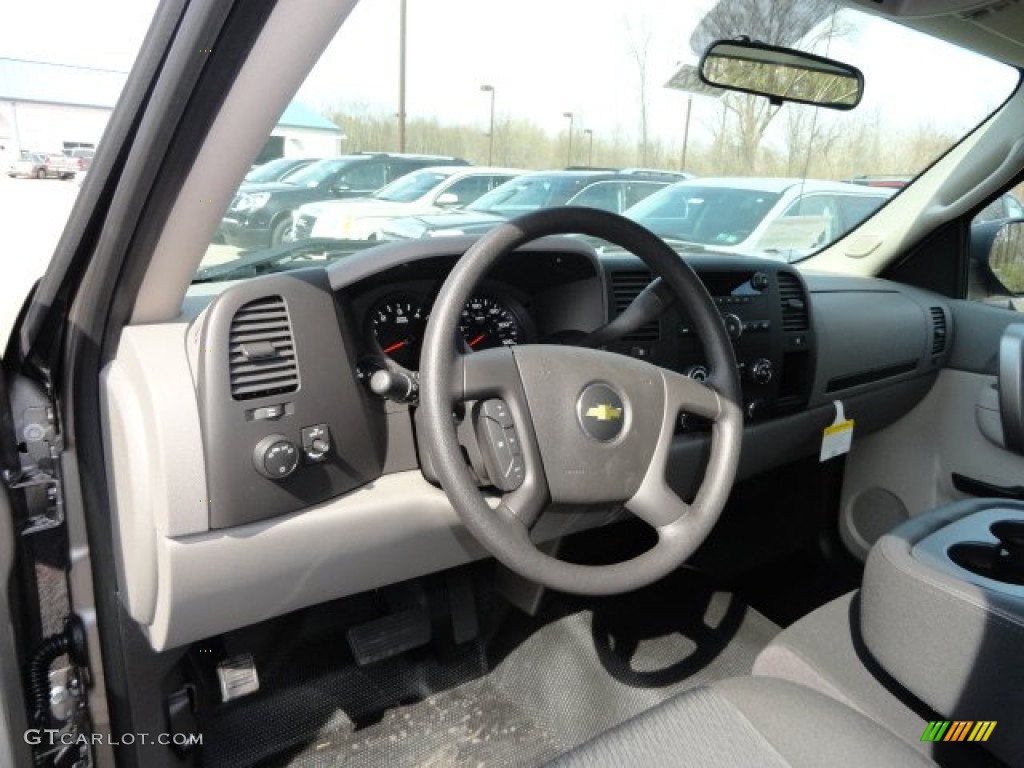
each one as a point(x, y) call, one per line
point(486, 323)
point(398, 323)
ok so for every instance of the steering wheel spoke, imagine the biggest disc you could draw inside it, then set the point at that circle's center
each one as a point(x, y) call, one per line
point(503, 427)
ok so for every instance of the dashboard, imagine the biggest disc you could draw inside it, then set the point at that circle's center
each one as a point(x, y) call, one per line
point(309, 486)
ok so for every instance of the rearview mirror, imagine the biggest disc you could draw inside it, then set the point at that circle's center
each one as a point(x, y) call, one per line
point(781, 74)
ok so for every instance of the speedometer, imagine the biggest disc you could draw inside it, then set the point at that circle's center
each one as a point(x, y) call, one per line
point(486, 323)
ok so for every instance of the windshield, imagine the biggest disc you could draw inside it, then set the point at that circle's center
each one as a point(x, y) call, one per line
point(411, 187)
point(527, 194)
point(315, 174)
point(769, 180)
point(707, 215)
point(275, 170)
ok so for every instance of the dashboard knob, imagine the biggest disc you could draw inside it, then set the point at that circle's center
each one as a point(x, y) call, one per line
point(276, 457)
point(759, 281)
point(761, 371)
point(733, 325)
point(697, 372)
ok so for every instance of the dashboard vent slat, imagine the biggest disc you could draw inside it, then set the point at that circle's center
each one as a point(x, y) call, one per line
point(264, 326)
point(793, 302)
point(626, 286)
point(938, 330)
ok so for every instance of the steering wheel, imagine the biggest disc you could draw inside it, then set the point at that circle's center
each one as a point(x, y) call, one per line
point(575, 425)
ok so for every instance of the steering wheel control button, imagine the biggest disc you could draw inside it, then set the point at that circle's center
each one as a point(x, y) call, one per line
point(316, 443)
point(497, 410)
point(601, 412)
point(276, 457)
point(503, 454)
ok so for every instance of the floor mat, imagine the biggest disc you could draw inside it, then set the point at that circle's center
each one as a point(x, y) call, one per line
point(530, 689)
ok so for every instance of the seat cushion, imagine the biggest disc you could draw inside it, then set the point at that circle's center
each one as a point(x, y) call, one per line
point(748, 721)
point(824, 651)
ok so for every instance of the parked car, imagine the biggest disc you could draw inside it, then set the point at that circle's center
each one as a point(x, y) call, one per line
point(40, 165)
point(776, 217)
point(610, 191)
point(261, 213)
point(30, 165)
point(278, 169)
point(423, 192)
point(81, 157)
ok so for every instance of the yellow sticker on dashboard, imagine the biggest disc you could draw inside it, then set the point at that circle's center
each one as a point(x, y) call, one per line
point(837, 438)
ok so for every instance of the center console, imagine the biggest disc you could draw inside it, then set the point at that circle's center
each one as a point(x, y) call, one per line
point(942, 610)
point(764, 307)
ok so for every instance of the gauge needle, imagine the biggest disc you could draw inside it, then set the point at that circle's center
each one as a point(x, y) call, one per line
point(478, 339)
point(395, 347)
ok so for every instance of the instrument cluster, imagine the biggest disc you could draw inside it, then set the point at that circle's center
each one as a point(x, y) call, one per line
point(397, 321)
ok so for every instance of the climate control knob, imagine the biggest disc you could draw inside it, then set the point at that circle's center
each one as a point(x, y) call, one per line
point(733, 325)
point(275, 457)
point(697, 372)
point(761, 371)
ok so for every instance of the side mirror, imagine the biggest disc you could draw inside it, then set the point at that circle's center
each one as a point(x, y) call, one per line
point(341, 188)
point(1006, 256)
point(447, 199)
point(781, 74)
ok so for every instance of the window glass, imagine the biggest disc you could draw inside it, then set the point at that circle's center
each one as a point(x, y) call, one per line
point(621, 97)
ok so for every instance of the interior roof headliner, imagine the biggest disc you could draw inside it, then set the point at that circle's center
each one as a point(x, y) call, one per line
point(993, 28)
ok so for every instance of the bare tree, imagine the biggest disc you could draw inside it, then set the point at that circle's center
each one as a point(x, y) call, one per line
point(639, 42)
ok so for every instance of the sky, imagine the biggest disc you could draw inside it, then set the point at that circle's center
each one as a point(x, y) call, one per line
point(543, 57)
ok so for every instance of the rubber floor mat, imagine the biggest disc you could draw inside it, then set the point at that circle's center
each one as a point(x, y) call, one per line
point(529, 690)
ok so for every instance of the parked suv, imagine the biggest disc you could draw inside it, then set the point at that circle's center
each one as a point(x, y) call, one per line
point(261, 214)
point(422, 192)
point(613, 191)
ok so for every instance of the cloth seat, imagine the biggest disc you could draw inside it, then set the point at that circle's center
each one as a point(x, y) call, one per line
point(824, 651)
point(750, 721)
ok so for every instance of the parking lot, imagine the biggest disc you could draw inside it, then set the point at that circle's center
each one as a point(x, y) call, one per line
point(32, 214)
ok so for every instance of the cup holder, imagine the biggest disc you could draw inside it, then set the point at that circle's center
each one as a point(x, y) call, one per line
point(1002, 561)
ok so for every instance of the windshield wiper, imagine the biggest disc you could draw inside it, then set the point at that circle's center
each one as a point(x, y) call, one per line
point(304, 253)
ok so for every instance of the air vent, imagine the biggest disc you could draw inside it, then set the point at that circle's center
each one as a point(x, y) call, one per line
point(626, 286)
point(938, 330)
point(262, 351)
point(794, 305)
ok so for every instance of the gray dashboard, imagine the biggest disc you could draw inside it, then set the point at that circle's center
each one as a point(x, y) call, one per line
point(233, 544)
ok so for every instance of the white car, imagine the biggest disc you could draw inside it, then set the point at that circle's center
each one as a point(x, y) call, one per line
point(778, 218)
point(431, 190)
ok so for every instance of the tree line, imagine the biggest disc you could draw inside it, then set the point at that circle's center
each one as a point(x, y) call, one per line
point(799, 141)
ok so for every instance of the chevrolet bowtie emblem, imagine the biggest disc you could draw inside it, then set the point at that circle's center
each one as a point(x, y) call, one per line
point(604, 412)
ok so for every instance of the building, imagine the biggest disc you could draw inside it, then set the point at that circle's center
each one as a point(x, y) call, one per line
point(48, 107)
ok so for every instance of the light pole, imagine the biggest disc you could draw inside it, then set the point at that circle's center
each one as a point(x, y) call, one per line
point(686, 131)
point(401, 75)
point(570, 116)
point(589, 132)
point(490, 143)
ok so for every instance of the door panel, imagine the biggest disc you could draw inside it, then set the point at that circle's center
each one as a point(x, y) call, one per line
point(908, 468)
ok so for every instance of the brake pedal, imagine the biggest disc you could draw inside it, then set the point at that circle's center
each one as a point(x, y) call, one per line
point(389, 636)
